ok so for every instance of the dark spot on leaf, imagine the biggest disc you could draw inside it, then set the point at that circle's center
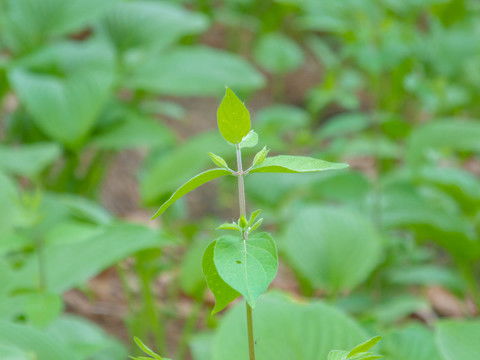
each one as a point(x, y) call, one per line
point(238, 261)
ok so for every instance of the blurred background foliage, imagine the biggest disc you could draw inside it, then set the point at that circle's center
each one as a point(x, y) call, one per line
point(107, 106)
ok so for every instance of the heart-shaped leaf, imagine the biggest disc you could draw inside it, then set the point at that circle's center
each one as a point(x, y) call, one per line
point(247, 266)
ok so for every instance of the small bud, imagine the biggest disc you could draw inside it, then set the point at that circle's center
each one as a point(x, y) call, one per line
point(229, 226)
point(260, 156)
point(242, 222)
point(218, 160)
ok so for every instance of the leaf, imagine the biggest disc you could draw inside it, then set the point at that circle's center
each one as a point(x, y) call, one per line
point(249, 267)
point(165, 172)
point(260, 156)
point(42, 308)
point(29, 23)
point(449, 134)
point(337, 355)
point(147, 24)
point(233, 118)
point(249, 140)
point(335, 249)
point(278, 54)
point(29, 159)
point(411, 342)
point(295, 164)
point(224, 293)
point(74, 262)
point(195, 71)
point(286, 329)
point(146, 349)
point(135, 132)
point(365, 346)
point(65, 106)
point(85, 338)
point(190, 185)
point(34, 341)
point(458, 340)
point(218, 160)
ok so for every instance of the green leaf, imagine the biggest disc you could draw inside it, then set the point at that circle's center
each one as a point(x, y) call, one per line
point(260, 156)
point(34, 341)
point(88, 340)
point(253, 216)
point(65, 106)
point(224, 293)
point(365, 346)
point(411, 342)
point(218, 160)
point(29, 23)
point(295, 164)
point(256, 225)
point(458, 340)
point(249, 140)
point(135, 133)
point(195, 71)
point(42, 308)
point(337, 355)
point(334, 249)
point(190, 185)
point(286, 329)
point(146, 349)
point(147, 24)
point(73, 262)
point(233, 118)
point(278, 54)
point(249, 267)
point(28, 160)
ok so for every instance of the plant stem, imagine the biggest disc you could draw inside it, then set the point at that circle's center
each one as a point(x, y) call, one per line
point(243, 212)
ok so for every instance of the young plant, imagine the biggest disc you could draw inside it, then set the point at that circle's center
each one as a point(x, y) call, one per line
point(245, 262)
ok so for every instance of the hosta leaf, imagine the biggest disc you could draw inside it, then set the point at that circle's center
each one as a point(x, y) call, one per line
point(277, 53)
point(458, 340)
point(88, 340)
point(295, 164)
point(28, 160)
point(66, 106)
point(249, 267)
point(286, 330)
point(190, 185)
point(28, 23)
point(233, 118)
point(134, 132)
point(33, 341)
point(333, 248)
point(195, 71)
point(72, 263)
point(142, 24)
point(412, 342)
point(446, 134)
point(224, 294)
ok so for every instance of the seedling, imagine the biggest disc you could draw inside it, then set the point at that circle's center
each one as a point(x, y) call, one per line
point(245, 262)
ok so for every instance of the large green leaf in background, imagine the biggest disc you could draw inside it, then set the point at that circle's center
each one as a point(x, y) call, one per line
point(28, 160)
point(452, 134)
point(335, 249)
point(34, 341)
point(286, 330)
point(146, 24)
point(72, 263)
point(458, 340)
point(412, 342)
point(64, 88)
point(168, 171)
point(29, 23)
point(195, 71)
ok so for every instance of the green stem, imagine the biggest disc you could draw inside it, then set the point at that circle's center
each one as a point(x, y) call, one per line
point(243, 212)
